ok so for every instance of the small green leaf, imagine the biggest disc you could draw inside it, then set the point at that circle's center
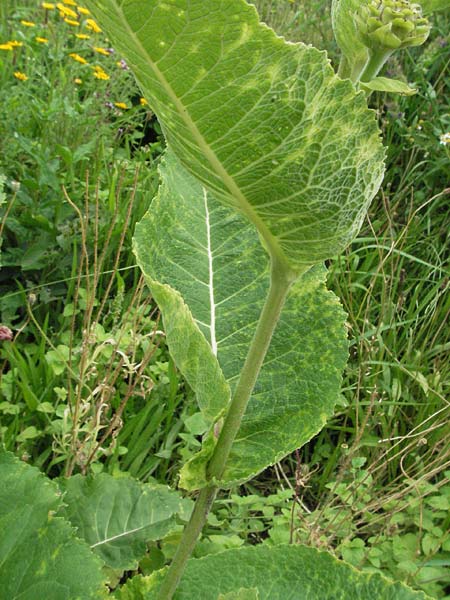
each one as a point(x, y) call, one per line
point(117, 516)
point(384, 84)
point(39, 554)
point(29, 433)
point(277, 573)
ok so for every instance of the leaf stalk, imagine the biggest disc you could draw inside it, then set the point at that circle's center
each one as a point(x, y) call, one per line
point(281, 280)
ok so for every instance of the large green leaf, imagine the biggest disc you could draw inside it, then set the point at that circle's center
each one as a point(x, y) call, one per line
point(192, 246)
point(39, 554)
point(277, 573)
point(264, 124)
point(117, 516)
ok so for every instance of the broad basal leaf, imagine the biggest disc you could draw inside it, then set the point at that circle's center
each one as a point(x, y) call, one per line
point(264, 124)
point(192, 246)
point(39, 554)
point(277, 573)
point(117, 516)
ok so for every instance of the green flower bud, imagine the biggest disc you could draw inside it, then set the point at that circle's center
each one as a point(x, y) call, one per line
point(386, 25)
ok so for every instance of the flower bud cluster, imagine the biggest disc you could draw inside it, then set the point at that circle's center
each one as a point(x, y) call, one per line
point(391, 24)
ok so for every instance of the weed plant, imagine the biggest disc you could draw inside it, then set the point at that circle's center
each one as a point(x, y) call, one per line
point(87, 383)
point(87, 347)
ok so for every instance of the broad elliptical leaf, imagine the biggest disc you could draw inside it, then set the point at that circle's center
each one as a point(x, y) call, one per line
point(191, 246)
point(265, 125)
point(40, 555)
point(273, 573)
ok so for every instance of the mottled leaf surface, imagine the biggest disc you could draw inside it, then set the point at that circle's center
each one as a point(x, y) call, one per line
point(117, 516)
point(277, 573)
point(40, 557)
point(206, 253)
point(264, 124)
point(242, 594)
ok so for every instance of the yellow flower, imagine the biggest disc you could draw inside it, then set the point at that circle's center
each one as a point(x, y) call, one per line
point(92, 25)
point(78, 81)
point(41, 40)
point(78, 58)
point(83, 11)
point(48, 5)
point(71, 22)
point(99, 73)
point(66, 12)
point(20, 76)
point(28, 23)
point(70, 2)
point(15, 43)
point(121, 105)
point(103, 51)
point(83, 36)
point(143, 102)
point(7, 46)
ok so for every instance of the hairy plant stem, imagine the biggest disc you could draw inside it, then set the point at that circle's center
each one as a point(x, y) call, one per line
point(280, 282)
point(374, 65)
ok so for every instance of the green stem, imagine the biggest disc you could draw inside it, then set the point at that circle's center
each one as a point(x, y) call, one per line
point(374, 65)
point(280, 282)
point(344, 70)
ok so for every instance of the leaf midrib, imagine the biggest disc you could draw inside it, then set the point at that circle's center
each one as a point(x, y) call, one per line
point(273, 246)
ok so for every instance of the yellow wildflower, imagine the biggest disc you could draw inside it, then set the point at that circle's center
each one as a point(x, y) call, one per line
point(66, 12)
point(70, 2)
point(48, 5)
point(71, 22)
point(78, 58)
point(92, 25)
point(7, 46)
point(99, 73)
point(41, 40)
point(103, 51)
point(83, 11)
point(15, 43)
point(28, 23)
point(78, 81)
point(83, 36)
point(20, 76)
point(143, 102)
point(121, 105)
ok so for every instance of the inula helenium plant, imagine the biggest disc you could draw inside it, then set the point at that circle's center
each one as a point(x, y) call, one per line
point(272, 161)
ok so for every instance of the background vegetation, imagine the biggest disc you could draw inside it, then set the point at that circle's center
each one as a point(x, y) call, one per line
point(86, 383)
